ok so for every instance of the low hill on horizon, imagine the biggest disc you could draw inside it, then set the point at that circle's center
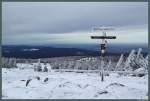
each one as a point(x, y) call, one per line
point(26, 51)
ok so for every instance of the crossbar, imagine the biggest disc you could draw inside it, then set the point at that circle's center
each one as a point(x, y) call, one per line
point(103, 37)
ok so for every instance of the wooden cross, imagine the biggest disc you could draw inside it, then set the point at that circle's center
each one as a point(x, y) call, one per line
point(103, 46)
point(104, 37)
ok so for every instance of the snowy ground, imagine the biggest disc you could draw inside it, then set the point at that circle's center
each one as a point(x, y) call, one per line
point(70, 85)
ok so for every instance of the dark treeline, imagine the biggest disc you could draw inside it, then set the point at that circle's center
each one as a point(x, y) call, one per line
point(35, 52)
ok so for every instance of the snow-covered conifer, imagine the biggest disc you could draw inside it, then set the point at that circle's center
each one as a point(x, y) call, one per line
point(109, 65)
point(39, 61)
point(45, 69)
point(139, 53)
point(119, 63)
point(146, 62)
point(140, 60)
point(38, 66)
point(134, 61)
point(130, 62)
point(49, 67)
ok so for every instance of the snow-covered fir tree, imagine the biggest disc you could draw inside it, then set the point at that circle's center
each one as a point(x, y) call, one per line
point(120, 63)
point(109, 65)
point(139, 53)
point(130, 62)
point(146, 62)
point(39, 61)
point(77, 65)
point(38, 67)
point(49, 67)
point(136, 61)
point(140, 61)
point(9, 62)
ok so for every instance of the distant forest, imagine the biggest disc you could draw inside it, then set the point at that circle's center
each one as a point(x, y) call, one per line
point(34, 52)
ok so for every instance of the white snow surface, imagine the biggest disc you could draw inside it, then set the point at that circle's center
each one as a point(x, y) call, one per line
point(71, 85)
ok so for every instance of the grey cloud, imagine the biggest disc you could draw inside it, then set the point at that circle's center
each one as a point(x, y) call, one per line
point(31, 17)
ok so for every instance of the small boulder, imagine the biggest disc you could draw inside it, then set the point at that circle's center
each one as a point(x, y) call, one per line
point(46, 79)
point(27, 83)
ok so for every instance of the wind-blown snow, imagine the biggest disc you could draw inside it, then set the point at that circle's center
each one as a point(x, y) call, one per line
point(71, 85)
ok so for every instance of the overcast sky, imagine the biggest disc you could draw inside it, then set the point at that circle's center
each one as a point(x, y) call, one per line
point(64, 22)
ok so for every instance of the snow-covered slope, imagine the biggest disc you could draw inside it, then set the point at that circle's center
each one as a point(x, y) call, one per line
point(65, 85)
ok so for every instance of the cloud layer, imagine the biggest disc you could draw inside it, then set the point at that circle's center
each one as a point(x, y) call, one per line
point(64, 22)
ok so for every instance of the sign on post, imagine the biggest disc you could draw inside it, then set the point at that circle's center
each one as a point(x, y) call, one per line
point(103, 44)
